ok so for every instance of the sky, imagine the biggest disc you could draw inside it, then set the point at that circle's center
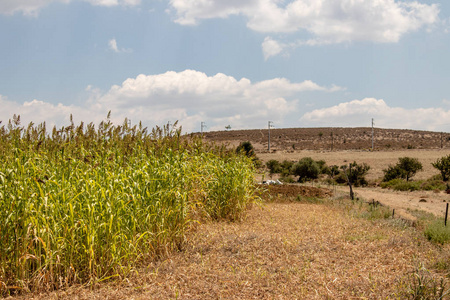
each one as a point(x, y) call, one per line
point(242, 63)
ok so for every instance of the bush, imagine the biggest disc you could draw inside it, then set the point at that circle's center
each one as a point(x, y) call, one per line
point(287, 179)
point(356, 173)
point(443, 165)
point(273, 166)
point(401, 185)
point(246, 148)
point(286, 166)
point(406, 168)
point(437, 232)
point(432, 185)
point(306, 169)
point(322, 166)
point(392, 173)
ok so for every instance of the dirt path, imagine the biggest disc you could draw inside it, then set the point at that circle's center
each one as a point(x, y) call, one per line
point(428, 201)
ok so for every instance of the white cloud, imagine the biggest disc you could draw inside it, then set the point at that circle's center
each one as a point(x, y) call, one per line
point(359, 113)
point(27, 7)
point(32, 7)
point(328, 21)
point(189, 96)
point(271, 47)
point(113, 46)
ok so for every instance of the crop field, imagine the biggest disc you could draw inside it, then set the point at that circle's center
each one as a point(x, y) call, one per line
point(116, 212)
point(83, 204)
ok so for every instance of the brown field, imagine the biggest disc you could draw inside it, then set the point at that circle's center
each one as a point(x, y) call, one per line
point(284, 250)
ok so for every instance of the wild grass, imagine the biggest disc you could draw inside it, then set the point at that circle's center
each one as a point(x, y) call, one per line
point(438, 232)
point(434, 183)
point(83, 205)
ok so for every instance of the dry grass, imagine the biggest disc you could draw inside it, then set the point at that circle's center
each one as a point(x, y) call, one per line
point(377, 160)
point(284, 250)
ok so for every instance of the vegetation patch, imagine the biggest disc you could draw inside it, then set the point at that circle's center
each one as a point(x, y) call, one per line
point(85, 204)
point(437, 232)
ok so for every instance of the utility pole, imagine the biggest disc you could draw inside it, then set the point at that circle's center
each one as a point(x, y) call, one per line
point(269, 125)
point(442, 139)
point(203, 125)
point(332, 140)
point(372, 133)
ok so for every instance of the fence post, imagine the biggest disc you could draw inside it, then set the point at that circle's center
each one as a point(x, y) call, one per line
point(446, 214)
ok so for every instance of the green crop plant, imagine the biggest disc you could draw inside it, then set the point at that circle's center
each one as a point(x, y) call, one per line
point(83, 204)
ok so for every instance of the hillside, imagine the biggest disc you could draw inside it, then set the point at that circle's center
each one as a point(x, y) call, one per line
point(360, 138)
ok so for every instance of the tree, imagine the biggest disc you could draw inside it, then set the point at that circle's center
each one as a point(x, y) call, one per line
point(306, 169)
point(443, 165)
point(246, 148)
point(355, 175)
point(406, 168)
point(273, 166)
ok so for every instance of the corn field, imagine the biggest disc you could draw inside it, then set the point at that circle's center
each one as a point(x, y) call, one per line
point(86, 203)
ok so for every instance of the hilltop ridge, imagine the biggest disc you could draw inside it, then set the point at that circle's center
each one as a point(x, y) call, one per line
point(333, 138)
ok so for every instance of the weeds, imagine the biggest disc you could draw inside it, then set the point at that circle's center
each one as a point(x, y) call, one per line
point(423, 285)
point(437, 232)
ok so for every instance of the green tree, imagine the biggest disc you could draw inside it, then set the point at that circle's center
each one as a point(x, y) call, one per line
point(406, 168)
point(246, 148)
point(286, 167)
point(306, 169)
point(274, 166)
point(443, 165)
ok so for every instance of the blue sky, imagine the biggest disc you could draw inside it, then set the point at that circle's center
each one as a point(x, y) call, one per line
point(298, 63)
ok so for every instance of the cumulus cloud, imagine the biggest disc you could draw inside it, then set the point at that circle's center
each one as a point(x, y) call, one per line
point(360, 112)
point(327, 21)
point(32, 7)
point(189, 96)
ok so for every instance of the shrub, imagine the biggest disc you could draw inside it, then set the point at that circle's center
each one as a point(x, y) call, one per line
point(392, 173)
point(246, 148)
point(306, 169)
point(273, 166)
point(322, 166)
point(286, 166)
point(443, 165)
point(406, 168)
point(356, 173)
point(287, 179)
point(401, 185)
point(433, 184)
point(437, 232)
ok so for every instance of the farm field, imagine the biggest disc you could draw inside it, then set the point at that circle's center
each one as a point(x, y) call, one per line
point(286, 250)
point(199, 244)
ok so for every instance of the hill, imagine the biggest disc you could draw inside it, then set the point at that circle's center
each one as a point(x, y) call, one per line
point(360, 138)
